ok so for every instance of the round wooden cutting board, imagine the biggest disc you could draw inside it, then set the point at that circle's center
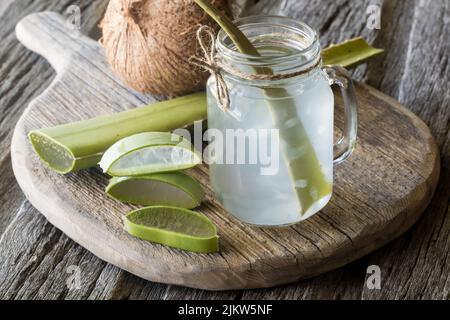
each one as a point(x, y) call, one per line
point(380, 192)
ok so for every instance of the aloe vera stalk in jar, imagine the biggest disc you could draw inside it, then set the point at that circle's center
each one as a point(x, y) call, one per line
point(305, 165)
point(69, 147)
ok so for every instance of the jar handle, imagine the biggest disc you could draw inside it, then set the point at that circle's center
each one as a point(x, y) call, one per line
point(341, 77)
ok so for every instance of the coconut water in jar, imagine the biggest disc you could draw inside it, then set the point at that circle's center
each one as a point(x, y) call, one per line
point(271, 151)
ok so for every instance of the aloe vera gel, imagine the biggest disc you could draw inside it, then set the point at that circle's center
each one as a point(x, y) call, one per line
point(273, 165)
point(263, 193)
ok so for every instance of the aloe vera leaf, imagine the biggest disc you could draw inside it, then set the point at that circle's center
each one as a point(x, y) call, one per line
point(166, 189)
point(350, 53)
point(78, 145)
point(175, 227)
point(69, 147)
point(306, 165)
point(149, 152)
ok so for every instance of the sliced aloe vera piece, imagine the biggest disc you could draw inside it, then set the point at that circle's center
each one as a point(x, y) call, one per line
point(166, 189)
point(149, 152)
point(78, 145)
point(175, 227)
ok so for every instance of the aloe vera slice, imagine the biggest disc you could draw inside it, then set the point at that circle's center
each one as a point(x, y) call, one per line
point(175, 227)
point(166, 189)
point(149, 152)
point(349, 53)
point(78, 145)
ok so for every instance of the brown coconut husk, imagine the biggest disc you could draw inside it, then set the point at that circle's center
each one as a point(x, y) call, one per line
point(148, 43)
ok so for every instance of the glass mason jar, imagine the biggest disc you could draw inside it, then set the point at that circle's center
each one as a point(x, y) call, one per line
point(271, 152)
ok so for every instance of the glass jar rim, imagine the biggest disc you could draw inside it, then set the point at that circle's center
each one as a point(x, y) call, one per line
point(289, 24)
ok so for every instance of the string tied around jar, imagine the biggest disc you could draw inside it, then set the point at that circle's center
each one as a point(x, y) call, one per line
point(209, 62)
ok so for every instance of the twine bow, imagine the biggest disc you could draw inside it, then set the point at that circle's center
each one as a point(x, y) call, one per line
point(208, 62)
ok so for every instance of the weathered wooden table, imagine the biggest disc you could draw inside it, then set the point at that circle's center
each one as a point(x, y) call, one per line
point(38, 261)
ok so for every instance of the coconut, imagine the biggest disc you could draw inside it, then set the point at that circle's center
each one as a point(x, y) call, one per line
point(148, 43)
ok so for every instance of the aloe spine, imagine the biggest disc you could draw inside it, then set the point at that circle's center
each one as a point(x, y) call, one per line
point(78, 145)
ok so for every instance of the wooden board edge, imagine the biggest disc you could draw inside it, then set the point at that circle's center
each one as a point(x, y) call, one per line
point(225, 279)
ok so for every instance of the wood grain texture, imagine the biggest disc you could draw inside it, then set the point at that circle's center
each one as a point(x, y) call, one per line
point(417, 266)
point(403, 263)
point(379, 193)
point(23, 76)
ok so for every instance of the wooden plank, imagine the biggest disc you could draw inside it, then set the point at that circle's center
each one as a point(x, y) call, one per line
point(345, 283)
point(379, 192)
point(328, 17)
point(424, 251)
point(23, 76)
point(14, 96)
point(11, 196)
point(336, 21)
point(4, 5)
point(417, 265)
point(33, 264)
point(386, 73)
point(19, 83)
point(391, 74)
